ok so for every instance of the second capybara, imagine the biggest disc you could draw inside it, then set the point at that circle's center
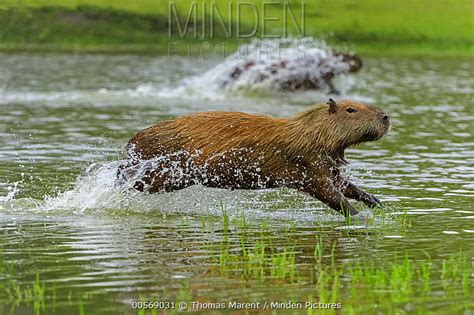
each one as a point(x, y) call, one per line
point(242, 151)
point(304, 73)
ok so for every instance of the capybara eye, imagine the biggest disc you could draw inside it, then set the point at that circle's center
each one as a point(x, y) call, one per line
point(351, 110)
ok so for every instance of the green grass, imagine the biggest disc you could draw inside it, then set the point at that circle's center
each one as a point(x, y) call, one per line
point(364, 285)
point(419, 27)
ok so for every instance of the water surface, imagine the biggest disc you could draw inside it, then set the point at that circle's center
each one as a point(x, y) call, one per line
point(64, 120)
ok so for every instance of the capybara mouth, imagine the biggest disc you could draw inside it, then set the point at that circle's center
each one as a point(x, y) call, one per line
point(372, 136)
point(376, 134)
point(384, 128)
point(387, 125)
point(384, 132)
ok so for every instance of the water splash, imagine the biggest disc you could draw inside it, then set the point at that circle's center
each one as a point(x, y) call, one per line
point(6, 201)
point(265, 66)
point(95, 189)
point(98, 191)
point(189, 80)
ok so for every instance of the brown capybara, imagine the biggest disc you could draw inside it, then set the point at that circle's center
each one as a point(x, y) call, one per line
point(243, 151)
point(304, 73)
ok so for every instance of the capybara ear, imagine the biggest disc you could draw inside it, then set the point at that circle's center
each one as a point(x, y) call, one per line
point(332, 105)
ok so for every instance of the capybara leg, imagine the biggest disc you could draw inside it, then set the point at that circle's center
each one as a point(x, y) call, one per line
point(337, 201)
point(371, 200)
point(152, 178)
point(125, 172)
point(139, 174)
point(162, 180)
point(353, 192)
point(324, 190)
point(154, 183)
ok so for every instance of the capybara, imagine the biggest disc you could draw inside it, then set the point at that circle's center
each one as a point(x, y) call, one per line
point(305, 73)
point(243, 151)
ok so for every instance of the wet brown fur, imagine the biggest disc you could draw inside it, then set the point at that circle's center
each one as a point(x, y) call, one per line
point(244, 151)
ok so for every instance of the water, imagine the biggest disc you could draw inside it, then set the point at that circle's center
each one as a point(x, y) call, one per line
point(263, 66)
point(64, 120)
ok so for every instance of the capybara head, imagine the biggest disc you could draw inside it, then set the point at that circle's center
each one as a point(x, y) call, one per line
point(338, 125)
point(354, 61)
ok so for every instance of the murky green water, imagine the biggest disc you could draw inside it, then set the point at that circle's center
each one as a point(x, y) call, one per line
point(65, 118)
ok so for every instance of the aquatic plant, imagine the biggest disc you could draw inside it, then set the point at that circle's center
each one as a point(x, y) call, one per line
point(359, 284)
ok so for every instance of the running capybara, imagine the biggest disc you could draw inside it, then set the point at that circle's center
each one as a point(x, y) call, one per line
point(304, 73)
point(243, 151)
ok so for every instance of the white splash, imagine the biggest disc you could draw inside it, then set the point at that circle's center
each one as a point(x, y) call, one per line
point(195, 79)
point(6, 201)
point(94, 189)
point(265, 66)
point(99, 191)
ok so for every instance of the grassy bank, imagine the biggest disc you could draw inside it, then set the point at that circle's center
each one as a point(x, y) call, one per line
point(420, 27)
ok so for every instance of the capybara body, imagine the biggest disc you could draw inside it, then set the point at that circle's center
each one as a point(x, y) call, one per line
point(304, 73)
point(243, 151)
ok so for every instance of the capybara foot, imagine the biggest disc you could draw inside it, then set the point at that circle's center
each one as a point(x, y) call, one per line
point(372, 201)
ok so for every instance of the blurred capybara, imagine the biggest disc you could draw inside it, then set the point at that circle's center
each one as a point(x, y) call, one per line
point(304, 73)
point(243, 151)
